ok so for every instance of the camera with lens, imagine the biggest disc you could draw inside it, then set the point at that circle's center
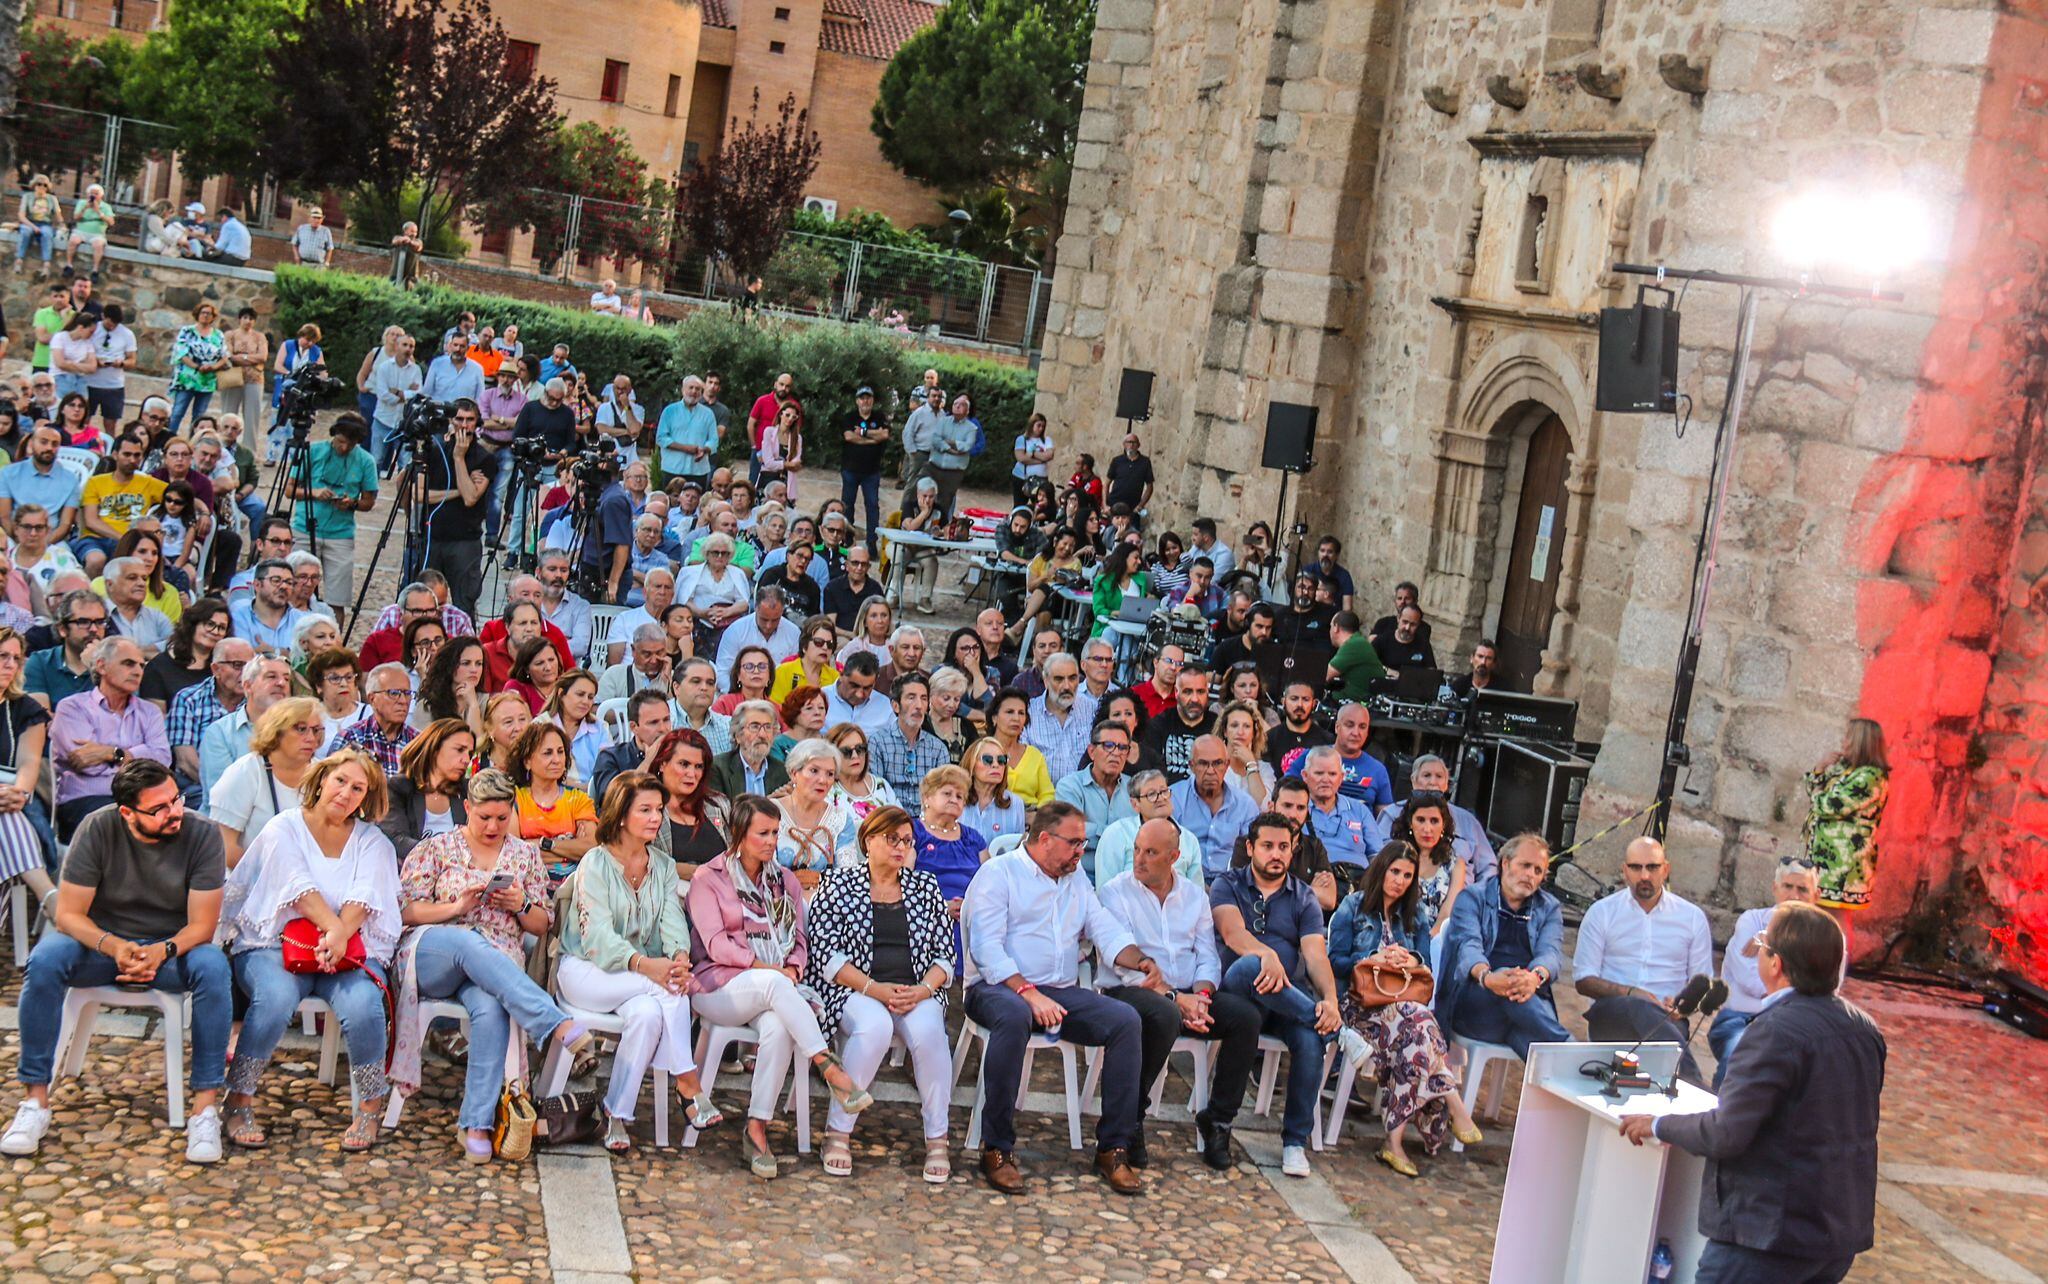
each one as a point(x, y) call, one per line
point(596, 463)
point(424, 420)
point(313, 382)
point(529, 452)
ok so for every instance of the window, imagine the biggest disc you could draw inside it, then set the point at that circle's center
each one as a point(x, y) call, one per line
point(522, 57)
point(496, 241)
point(614, 90)
point(1537, 238)
point(775, 46)
point(116, 13)
point(675, 96)
point(690, 153)
point(781, 14)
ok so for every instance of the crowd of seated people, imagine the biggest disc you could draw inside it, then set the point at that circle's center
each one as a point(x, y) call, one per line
point(762, 798)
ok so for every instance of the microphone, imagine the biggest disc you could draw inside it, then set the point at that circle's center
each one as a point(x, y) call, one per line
point(1709, 1003)
point(1695, 993)
point(1626, 1071)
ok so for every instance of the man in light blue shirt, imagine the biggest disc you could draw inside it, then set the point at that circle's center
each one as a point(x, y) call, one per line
point(266, 680)
point(687, 434)
point(230, 244)
point(556, 364)
point(1347, 830)
point(37, 478)
point(266, 618)
point(454, 373)
point(1208, 806)
point(1098, 788)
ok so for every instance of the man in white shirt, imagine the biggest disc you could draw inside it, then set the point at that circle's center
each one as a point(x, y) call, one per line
point(765, 627)
point(918, 430)
point(394, 379)
point(1168, 916)
point(855, 697)
point(606, 298)
point(645, 669)
point(1796, 880)
point(1116, 846)
point(1026, 914)
point(113, 350)
point(619, 417)
point(661, 594)
point(129, 613)
point(1207, 545)
point(1637, 949)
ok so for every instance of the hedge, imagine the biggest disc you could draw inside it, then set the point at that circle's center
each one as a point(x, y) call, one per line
point(352, 310)
point(829, 360)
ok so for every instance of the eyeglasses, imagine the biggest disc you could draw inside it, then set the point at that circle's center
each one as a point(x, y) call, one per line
point(1152, 795)
point(1112, 746)
point(31, 527)
point(88, 623)
point(1762, 944)
point(854, 751)
point(214, 626)
point(336, 679)
point(399, 693)
point(177, 803)
point(995, 760)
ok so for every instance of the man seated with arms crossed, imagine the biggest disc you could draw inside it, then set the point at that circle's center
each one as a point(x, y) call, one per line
point(1274, 952)
point(1026, 914)
point(1311, 863)
point(138, 905)
point(1168, 915)
point(1790, 1191)
point(1503, 947)
point(1348, 832)
point(1796, 880)
point(1637, 948)
point(94, 732)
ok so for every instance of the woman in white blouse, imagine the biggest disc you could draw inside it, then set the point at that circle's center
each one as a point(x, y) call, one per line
point(265, 781)
point(717, 591)
point(327, 862)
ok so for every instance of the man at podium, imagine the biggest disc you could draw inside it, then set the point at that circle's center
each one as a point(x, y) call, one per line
point(1790, 1195)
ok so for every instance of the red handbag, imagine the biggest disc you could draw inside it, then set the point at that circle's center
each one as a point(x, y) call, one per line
point(302, 938)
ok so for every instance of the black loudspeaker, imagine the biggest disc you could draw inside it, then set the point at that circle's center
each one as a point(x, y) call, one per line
point(1638, 359)
point(1134, 395)
point(1290, 437)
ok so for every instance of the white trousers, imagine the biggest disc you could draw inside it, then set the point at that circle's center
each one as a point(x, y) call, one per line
point(657, 1029)
point(867, 1028)
point(786, 1024)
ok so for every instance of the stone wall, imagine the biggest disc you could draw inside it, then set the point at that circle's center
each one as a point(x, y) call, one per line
point(1330, 201)
point(156, 294)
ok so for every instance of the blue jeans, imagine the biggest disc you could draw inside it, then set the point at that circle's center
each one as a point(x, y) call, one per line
point(1290, 1017)
point(254, 509)
point(1483, 1015)
point(43, 232)
point(869, 485)
point(68, 384)
point(186, 399)
point(456, 962)
point(61, 963)
point(1723, 1035)
point(274, 998)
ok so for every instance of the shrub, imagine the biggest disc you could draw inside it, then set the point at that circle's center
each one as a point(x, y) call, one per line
point(352, 311)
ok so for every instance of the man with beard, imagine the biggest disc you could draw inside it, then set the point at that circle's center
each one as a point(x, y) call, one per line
point(1637, 948)
point(1173, 733)
point(1481, 676)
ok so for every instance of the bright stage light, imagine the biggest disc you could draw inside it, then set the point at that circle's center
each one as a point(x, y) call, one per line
point(1871, 235)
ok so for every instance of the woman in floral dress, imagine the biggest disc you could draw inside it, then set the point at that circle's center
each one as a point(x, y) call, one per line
point(1386, 921)
point(1847, 796)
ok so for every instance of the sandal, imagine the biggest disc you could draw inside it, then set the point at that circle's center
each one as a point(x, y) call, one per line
point(853, 1099)
point(362, 1131)
point(238, 1125)
point(701, 1112)
point(615, 1138)
point(1400, 1165)
point(758, 1158)
point(837, 1153)
point(476, 1149)
point(938, 1165)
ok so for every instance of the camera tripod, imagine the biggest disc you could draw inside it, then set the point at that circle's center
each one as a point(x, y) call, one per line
point(408, 501)
point(522, 495)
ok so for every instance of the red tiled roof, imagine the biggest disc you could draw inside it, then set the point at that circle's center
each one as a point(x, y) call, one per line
point(715, 13)
point(870, 28)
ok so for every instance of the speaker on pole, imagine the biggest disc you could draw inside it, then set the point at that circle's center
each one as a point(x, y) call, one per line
point(1134, 395)
point(1638, 357)
point(1290, 437)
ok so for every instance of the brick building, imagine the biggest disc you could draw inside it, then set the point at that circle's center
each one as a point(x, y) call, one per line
point(1404, 214)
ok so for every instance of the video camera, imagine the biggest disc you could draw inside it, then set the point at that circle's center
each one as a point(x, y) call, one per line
point(299, 391)
point(596, 464)
point(424, 420)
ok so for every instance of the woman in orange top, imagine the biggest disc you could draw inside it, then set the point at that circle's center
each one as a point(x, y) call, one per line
point(559, 820)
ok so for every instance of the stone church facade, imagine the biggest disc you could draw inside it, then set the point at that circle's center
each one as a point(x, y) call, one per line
point(1405, 215)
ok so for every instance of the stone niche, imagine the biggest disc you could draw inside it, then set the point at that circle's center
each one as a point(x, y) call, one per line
point(1517, 458)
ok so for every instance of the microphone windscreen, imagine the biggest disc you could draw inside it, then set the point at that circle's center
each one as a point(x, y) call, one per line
point(1717, 994)
point(1688, 1000)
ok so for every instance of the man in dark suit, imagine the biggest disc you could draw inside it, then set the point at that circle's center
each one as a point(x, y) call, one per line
point(748, 769)
point(649, 719)
point(1790, 1195)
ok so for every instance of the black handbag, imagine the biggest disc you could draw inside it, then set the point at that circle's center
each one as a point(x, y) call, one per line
point(566, 1119)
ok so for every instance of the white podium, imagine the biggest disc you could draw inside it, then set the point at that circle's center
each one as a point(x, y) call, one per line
point(1582, 1204)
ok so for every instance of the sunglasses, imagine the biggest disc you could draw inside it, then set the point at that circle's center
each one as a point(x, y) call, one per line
point(995, 760)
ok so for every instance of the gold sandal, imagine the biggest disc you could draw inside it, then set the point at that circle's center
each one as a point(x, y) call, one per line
point(837, 1154)
point(1396, 1162)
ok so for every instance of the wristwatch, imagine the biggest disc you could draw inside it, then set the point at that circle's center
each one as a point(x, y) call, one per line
point(547, 844)
point(120, 756)
point(170, 949)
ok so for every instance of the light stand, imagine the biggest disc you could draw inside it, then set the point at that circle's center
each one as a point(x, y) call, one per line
point(1677, 754)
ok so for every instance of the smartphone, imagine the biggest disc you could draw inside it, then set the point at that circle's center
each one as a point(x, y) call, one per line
point(499, 882)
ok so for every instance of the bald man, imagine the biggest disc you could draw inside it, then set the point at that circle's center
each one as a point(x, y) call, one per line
point(1168, 914)
point(1638, 947)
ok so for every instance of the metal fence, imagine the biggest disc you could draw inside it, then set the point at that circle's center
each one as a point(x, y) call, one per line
point(569, 237)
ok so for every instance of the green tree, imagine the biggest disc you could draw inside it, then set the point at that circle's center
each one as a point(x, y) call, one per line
point(624, 209)
point(988, 95)
point(205, 74)
point(64, 87)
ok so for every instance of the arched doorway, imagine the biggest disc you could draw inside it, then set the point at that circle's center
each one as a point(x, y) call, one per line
point(1529, 597)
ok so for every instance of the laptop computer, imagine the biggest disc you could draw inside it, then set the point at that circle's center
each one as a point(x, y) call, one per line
point(1138, 610)
point(1417, 685)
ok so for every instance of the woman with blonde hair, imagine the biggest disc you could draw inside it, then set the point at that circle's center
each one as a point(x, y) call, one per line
point(860, 787)
point(992, 810)
point(881, 957)
point(626, 950)
point(27, 722)
point(1243, 733)
point(506, 719)
point(326, 862)
point(266, 780)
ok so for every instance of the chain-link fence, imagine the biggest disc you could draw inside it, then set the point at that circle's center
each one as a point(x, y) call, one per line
point(557, 239)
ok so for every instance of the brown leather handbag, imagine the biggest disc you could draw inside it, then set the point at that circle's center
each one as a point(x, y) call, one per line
point(1375, 985)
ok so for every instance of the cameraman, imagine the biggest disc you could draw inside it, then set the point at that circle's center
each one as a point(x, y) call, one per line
point(337, 481)
point(546, 424)
point(454, 484)
point(608, 545)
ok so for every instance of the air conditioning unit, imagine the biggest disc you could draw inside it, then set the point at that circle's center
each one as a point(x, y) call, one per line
point(821, 205)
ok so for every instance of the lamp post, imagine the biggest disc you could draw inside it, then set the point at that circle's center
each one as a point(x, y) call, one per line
point(960, 219)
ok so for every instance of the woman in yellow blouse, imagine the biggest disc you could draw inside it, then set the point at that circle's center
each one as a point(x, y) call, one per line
point(1009, 713)
point(812, 665)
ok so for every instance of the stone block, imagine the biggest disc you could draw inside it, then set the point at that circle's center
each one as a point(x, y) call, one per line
point(1783, 16)
point(1815, 602)
point(1941, 103)
point(1657, 500)
point(1650, 637)
point(1295, 298)
point(1794, 407)
point(1759, 668)
point(1127, 48)
point(1791, 740)
point(1124, 15)
point(1830, 473)
point(1953, 37)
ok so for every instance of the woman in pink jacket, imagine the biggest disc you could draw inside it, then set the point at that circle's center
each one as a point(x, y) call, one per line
point(747, 955)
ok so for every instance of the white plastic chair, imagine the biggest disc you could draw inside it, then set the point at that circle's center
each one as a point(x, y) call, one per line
point(601, 618)
point(430, 1011)
point(1201, 1051)
point(330, 1044)
point(611, 715)
point(1479, 1059)
point(1005, 843)
point(713, 1040)
point(78, 461)
point(82, 1008)
point(972, 1030)
point(17, 917)
point(554, 1071)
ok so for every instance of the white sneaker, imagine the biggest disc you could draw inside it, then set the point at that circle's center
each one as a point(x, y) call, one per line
point(202, 1137)
point(1294, 1161)
point(25, 1135)
point(1353, 1044)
